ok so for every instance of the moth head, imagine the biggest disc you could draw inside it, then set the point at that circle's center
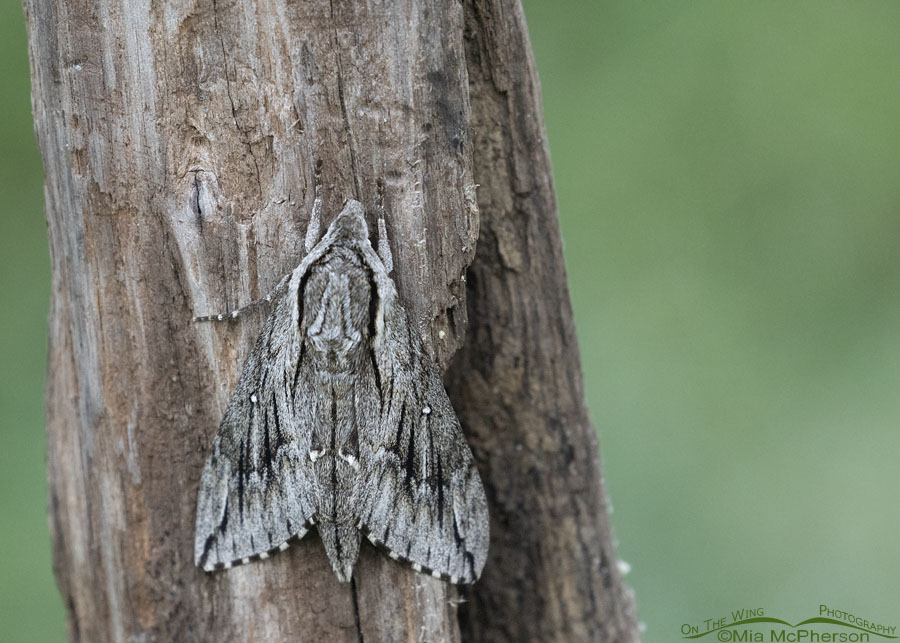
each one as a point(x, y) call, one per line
point(351, 222)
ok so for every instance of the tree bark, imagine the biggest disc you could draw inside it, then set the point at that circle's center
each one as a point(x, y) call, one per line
point(180, 142)
point(552, 573)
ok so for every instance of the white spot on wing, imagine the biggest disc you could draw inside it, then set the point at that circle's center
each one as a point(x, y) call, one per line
point(393, 555)
point(350, 459)
point(244, 561)
point(227, 565)
point(283, 546)
point(417, 567)
point(426, 410)
point(264, 555)
point(254, 399)
point(436, 574)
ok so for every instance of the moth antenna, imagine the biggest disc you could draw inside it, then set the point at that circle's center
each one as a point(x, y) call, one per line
point(275, 293)
point(384, 248)
point(315, 219)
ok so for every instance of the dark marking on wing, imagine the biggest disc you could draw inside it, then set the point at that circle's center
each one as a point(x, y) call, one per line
point(440, 493)
point(210, 541)
point(279, 436)
point(240, 479)
point(400, 427)
point(456, 535)
point(410, 460)
point(374, 303)
point(267, 447)
point(224, 524)
point(470, 561)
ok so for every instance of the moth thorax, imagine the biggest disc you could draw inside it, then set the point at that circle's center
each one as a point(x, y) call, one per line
point(338, 312)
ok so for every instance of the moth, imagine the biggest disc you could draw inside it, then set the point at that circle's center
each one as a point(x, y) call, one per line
point(339, 420)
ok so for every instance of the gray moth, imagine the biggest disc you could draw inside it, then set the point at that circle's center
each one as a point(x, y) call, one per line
point(339, 420)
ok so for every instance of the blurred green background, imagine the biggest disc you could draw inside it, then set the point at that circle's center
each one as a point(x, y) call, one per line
point(728, 177)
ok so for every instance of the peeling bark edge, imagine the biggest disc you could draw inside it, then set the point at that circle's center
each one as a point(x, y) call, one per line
point(552, 573)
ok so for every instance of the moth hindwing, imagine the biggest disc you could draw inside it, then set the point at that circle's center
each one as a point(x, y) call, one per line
point(339, 420)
